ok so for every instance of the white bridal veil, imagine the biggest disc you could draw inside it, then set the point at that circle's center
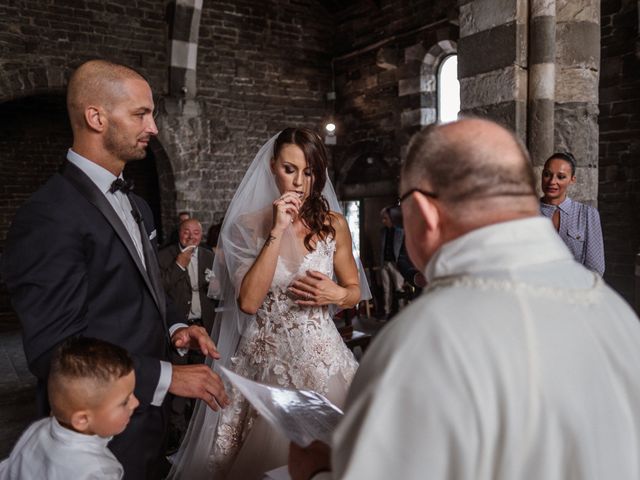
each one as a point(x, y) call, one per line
point(246, 226)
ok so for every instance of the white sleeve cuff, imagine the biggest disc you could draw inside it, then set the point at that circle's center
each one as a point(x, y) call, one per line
point(181, 267)
point(181, 351)
point(163, 384)
point(176, 326)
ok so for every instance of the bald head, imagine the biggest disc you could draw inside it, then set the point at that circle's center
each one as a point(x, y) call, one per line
point(98, 83)
point(468, 162)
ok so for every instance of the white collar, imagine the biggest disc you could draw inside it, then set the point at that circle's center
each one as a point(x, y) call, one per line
point(72, 437)
point(499, 247)
point(102, 177)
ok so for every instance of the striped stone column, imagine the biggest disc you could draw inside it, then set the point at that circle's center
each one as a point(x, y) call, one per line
point(184, 23)
point(492, 61)
point(576, 95)
point(541, 82)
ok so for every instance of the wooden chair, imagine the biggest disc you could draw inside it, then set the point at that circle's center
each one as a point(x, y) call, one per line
point(351, 337)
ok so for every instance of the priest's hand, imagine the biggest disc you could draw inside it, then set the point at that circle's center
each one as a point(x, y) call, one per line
point(304, 463)
point(195, 337)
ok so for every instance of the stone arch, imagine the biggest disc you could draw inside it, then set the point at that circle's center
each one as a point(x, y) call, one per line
point(166, 184)
point(421, 84)
point(31, 80)
point(364, 172)
point(154, 181)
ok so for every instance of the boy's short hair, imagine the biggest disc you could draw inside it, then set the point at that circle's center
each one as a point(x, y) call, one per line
point(85, 359)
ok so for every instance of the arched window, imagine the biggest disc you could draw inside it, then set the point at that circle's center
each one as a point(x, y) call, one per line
point(448, 90)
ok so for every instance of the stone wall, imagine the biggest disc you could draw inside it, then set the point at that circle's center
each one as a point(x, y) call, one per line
point(40, 43)
point(381, 63)
point(380, 53)
point(30, 130)
point(619, 121)
point(41, 40)
point(492, 61)
point(261, 66)
point(505, 75)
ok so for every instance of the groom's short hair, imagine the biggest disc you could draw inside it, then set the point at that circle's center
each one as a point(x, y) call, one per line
point(95, 82)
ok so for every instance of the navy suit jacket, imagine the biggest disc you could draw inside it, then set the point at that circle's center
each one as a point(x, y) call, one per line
point(72, 269)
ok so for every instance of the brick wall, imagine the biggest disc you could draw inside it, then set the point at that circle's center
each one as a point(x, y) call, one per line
point(377, 50)
point(619, 189)
point(262, 66)
point(370, 62)
point(40, 40)
point(34, 136)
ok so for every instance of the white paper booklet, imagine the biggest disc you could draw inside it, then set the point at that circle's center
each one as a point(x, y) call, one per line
point(301, 415)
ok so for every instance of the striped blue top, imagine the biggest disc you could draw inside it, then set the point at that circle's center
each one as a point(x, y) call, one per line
point(581, 232)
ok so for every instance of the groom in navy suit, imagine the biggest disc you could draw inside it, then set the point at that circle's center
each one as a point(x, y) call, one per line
point(80, 260)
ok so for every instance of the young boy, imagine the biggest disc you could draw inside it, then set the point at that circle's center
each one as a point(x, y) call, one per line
point(91, 395)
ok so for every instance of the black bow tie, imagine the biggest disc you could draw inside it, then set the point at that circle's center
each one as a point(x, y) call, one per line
point(122, 185)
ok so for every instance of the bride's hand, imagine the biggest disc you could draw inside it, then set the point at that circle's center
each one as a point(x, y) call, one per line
point(285, 210)
point(315, 289)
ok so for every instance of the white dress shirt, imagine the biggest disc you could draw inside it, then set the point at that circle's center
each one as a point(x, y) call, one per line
point(47, 450)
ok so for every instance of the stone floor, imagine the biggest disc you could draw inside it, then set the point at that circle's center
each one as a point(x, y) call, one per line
point(17, 385)
point(17, 388)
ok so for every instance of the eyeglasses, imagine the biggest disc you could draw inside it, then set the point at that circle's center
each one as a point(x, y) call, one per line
point(426, 193)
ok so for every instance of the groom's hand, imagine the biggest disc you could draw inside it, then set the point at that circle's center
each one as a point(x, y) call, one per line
point(195, 338)
point(198, 381)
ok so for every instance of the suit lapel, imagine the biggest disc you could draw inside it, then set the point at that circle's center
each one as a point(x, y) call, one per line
point(153, 268)
point(90, 191)
point(201, 266)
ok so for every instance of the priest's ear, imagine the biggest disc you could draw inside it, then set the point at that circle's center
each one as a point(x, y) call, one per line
point(428, 211)
point(431, 229)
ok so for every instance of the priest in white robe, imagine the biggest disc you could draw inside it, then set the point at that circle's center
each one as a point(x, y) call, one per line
point(516, 363)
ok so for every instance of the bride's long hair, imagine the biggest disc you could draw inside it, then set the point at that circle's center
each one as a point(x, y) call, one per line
point(315, 212)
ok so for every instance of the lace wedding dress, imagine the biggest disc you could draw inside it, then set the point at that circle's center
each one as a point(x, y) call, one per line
point(288, 346)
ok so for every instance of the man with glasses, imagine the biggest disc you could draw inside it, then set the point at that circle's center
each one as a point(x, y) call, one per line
point(516, 363)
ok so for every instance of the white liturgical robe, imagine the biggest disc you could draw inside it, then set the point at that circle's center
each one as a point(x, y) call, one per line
point(516, 363)
point(47, 450)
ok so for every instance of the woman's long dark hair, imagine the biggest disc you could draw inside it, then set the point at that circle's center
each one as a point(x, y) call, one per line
point(315, 212)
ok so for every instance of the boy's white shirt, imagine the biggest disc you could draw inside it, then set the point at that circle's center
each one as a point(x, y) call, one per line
point(49, 450)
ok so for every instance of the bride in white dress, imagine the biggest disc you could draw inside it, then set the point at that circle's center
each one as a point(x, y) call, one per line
point(283, 242)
